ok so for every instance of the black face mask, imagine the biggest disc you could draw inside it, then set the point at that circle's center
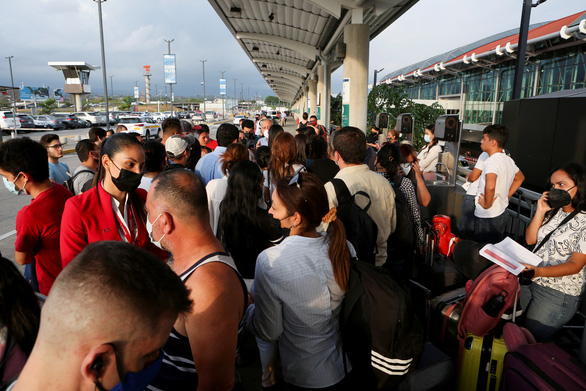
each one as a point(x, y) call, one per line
point(127, 180)
point(248, 135)
point(558, 197)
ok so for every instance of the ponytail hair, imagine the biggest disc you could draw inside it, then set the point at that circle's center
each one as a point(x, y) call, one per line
point(235, 153)
point(308, 197)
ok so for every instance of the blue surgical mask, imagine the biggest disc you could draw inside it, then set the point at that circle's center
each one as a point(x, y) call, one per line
point(12, 187)
point(138, 381)
point(427, 138)
point(149, 228)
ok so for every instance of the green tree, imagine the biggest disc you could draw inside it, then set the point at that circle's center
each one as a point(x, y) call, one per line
point(394, 101)
point(336, 110)
point(126, 103)
point(48, 106)
point(271, 101)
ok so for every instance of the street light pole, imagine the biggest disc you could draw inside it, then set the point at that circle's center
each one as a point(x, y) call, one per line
point(170, 84)
point(223, 100)
point(103, 62)
point(235, 97)
point(13, 96)
point(203, 65)
point(373, 88)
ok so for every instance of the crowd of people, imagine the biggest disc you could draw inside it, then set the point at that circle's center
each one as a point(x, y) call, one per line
point(156, 257)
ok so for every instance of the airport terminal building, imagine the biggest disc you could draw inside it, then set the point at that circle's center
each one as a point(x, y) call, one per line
point(476, 80)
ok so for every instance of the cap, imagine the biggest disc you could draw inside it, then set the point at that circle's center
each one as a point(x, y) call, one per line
point(176, 145)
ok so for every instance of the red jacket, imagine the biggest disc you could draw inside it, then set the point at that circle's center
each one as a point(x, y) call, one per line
point(89, 218)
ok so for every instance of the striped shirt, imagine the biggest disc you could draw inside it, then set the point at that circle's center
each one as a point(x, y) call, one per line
point(178, 368)
point(297, 302)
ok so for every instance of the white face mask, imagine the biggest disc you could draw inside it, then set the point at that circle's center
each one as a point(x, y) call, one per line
point(149, 228)
point(427, 138)
point(265, 134)
point(406, 168)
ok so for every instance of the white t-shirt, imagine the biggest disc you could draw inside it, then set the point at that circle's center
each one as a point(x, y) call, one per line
point(505, 169)
point(567, 239)
point(472, 189)
point(216, 191)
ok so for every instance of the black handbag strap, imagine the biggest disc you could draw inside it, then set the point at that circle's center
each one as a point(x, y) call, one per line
point(564, 221)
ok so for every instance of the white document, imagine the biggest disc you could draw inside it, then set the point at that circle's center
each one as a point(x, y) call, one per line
point(509, 254)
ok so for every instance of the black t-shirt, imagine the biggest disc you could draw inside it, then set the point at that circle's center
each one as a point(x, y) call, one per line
point(326, 169)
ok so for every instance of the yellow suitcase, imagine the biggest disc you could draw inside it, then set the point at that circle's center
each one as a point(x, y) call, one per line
point(481, 363)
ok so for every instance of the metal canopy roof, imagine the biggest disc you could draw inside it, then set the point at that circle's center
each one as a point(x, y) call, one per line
point(284, 38)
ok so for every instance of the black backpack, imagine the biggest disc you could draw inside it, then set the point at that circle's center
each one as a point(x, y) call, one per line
point(361, 230)
point(69, 182)
point(380, 334)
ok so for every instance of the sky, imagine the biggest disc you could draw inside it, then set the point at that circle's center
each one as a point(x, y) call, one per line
point(41, 31)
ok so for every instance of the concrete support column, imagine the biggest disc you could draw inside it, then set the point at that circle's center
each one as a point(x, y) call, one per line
point(356, 38)
point(312, 96)
point(319, 93)
point(78, 104)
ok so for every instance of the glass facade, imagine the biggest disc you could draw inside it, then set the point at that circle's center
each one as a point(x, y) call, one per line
point(486, 90)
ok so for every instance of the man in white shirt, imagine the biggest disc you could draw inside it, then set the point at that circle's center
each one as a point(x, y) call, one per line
point(349, 153)
point(498, 181)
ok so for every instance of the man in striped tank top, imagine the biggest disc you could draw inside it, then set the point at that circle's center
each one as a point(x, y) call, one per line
point(201, 350)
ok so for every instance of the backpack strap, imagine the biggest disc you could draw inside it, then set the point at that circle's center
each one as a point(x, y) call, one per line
point(342, 193)
point(564, 221)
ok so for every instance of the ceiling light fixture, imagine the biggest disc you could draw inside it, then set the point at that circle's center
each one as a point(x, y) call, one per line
point(235, 10)
point(271, 17)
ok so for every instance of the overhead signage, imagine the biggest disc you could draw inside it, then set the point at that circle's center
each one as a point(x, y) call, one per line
point(222, 86)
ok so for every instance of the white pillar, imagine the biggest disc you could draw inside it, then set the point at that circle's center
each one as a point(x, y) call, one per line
point(312, 96)
point(78, 104)
point(356, 38)
point(319, 94)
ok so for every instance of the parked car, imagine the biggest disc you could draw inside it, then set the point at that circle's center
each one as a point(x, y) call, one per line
point(92, 118)
point(48, 121)
point(146, 126)
point(26, 121)
point(211, 114)
point(113, 118)
point(159, 117)
point(69, 120)
point(198, 117)
point(7, 120)
point(237, 118)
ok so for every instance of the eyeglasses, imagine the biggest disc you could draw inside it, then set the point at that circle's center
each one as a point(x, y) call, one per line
point(56, 146)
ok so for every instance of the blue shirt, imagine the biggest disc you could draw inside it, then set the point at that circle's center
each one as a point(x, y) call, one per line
point(209, 166)
point(59, 172)
point(297, 301)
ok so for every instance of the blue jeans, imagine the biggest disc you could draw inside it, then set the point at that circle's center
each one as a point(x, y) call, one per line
point(466, 222)
point(489, 230)
point(546, 310)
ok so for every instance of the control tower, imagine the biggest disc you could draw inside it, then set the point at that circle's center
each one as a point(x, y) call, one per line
point(77, 76)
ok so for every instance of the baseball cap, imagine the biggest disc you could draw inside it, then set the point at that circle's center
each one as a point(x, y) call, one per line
point(176, 145)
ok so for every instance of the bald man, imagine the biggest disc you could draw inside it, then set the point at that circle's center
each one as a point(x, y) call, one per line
point(206, 339)
point(105, 321)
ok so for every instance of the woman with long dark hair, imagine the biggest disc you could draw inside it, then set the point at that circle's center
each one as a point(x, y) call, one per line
point(154, 164)
point(411, 169)
point(19, 320)
point(299, 286)
point(216, 188)
point(114, 208)
point(245, 229)
point(401, 243)
point(558, 230)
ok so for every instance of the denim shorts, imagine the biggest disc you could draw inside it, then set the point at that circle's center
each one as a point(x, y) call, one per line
point(489, 230)
point(547, 310)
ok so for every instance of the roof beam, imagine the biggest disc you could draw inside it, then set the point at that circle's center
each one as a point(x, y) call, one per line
point(281, 75)
point(304, 49)
point(292, 67)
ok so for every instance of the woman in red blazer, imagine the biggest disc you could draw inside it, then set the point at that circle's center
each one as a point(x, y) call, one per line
point(114, 208)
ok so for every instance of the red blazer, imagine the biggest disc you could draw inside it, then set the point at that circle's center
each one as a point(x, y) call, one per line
point(89, 218)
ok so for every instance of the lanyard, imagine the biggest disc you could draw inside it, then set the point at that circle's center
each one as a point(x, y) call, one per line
point(129, 233)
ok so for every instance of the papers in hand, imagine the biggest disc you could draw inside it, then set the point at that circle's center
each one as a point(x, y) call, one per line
point(509, 254)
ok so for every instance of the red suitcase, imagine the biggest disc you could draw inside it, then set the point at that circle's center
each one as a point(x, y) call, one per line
point(542, 367)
